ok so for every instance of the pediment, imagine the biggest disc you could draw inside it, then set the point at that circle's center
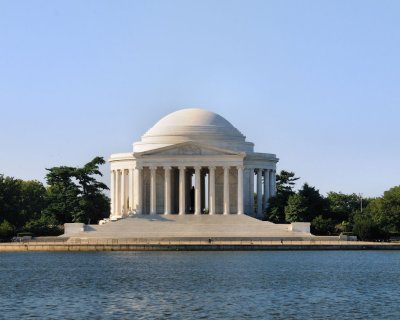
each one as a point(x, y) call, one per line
point(189, 149)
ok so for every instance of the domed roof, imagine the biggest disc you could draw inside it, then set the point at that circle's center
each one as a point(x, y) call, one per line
point(196, 125)
point(193, 122)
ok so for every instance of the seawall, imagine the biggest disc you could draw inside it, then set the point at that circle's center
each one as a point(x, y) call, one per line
point(121, 245)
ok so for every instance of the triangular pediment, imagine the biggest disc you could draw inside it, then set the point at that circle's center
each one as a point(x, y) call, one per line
point(188, 149)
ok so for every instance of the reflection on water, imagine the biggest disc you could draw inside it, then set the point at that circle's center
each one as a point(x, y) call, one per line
point(196, 285)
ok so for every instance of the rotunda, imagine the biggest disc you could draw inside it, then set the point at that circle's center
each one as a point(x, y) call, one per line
point(192, 161)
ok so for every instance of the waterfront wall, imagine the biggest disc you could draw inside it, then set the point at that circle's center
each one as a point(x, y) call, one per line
point(118, 245)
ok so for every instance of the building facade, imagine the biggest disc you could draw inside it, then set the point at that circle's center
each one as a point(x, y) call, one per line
point(192, 161)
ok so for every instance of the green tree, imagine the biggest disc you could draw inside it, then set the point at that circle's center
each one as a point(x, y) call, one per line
point(6, 230)
point(63, 194)
point(305, 205)
point(20, 200)
point(285, 182)
point(94, 204)
point(342, 206)
point(365, 228)
point(75, 195)
point(296, 209)
point(10, 204)
point(385, 211)
point(32, 199)
point(45, 225)
point(321, 225)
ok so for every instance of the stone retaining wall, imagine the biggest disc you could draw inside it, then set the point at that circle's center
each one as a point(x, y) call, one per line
point(119, 245)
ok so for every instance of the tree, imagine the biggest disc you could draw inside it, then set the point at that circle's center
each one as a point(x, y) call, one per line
point(296, 209)
point(305, 205)
point(285, 182)
point(45, 225)
point(342, 207)
point(63, 194)
point(94, 204)
point(385, 211)
point(6, 230)
point(33, 199)
point(10, 195)
point(276, 208)
point(75, 195)
point(365, 228)
point(20, 200)
point(322, 225)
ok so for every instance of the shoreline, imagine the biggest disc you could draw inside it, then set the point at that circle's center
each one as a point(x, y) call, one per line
point(182, 245)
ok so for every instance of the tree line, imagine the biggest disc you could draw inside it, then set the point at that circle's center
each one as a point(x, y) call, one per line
point(72, 194)
point(368, 218)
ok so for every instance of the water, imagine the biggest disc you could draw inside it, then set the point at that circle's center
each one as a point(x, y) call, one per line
point(200, 285)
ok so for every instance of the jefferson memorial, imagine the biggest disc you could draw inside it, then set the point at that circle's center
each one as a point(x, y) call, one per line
point(192, 162)
point(192, 176)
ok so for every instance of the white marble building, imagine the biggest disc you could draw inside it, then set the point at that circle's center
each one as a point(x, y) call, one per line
point(192, 161)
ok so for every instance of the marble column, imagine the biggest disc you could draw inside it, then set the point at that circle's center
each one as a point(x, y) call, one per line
point(211, 201)
point(130, 197)
point(112, 193)
point(182, 191)
point(251, 192)
point(153, 190)
point(273, 183)
point(127, 196)
point(139, 189)
point(259, 193)
point(123, 190)
point(266, 188)
point(203, 190)
point(112, 188)
point(226, 191)
point(188, 191)
point(117, 193)
point(167, 190)
point(197, 190)
point(240, 190)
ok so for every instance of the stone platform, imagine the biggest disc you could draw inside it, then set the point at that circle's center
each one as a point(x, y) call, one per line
point(191, 227)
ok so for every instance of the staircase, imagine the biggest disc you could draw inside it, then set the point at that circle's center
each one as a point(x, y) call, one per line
point(178, 227)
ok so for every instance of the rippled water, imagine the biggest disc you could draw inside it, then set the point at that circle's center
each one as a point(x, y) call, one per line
point(200, 285)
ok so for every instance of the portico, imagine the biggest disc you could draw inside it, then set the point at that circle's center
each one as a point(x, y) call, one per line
point(192, 162)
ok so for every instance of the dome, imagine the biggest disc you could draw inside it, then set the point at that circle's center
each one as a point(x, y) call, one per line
point(196, 125)
point(192, 122)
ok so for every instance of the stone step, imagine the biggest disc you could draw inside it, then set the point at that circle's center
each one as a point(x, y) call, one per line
point(186, 226)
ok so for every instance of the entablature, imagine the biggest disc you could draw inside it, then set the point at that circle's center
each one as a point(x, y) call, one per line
point(190, 162)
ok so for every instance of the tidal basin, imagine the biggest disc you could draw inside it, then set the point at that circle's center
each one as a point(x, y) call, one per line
point(200, 285)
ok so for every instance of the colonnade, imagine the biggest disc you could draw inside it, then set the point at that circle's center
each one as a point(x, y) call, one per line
point(265, 189)
point(127, 190)
point(124, 183)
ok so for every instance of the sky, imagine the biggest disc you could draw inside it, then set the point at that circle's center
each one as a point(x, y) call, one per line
point(316, 82)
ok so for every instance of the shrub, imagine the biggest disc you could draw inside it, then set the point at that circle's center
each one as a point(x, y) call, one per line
point(366, 229)
point(6, 230)
point(45, 226)
point(322, 226)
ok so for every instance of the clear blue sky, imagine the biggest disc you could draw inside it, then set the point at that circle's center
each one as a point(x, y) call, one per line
point(316, 82)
